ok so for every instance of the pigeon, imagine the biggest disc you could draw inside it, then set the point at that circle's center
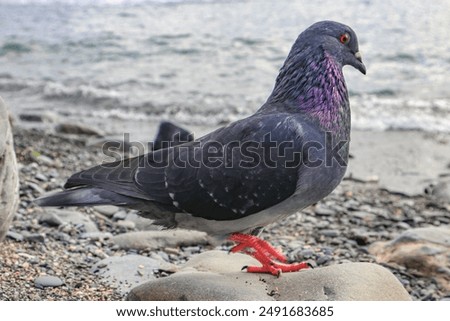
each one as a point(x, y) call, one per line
point(231, 183)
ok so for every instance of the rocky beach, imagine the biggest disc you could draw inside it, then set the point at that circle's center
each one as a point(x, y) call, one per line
point(104, 252)
point(86, 82)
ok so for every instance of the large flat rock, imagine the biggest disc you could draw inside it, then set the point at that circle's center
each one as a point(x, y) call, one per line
point(422, 251)
point(125, 272)
point(9, 178)
point(216, 275)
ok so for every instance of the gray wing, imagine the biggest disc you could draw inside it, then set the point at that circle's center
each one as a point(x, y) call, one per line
point(225, 175)
point(230, 173)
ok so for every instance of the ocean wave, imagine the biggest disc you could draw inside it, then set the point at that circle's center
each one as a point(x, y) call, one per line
point(369, 113)
point(11, 47)
point(375, 111)
point(82, 94)
point(372, 112)
point(9, 84)
point(99, 2)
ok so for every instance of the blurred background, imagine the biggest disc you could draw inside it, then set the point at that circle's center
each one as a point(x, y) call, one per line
point(127, 64)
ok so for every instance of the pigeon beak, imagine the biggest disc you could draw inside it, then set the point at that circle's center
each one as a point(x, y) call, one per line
point(359, 64)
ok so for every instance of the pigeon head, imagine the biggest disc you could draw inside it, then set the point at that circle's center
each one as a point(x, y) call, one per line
point(336, 40)
point(311, 80)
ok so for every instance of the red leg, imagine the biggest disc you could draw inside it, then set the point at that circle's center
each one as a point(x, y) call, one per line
point(253, 242)
point(265, 254)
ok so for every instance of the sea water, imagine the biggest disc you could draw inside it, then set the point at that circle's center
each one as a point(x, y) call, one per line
point(206, 63)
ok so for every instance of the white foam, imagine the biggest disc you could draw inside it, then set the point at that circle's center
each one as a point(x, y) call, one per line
point(379, 113)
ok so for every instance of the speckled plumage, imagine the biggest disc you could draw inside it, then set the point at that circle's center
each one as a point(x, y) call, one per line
point(308, 105)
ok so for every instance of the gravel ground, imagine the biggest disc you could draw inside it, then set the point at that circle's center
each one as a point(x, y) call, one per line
point(339, 229)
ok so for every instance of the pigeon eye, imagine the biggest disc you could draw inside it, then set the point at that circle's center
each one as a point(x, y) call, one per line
point(345, 38)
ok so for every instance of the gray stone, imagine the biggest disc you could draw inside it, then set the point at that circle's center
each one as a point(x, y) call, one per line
point(142, 224)
point(324, 211)
point(126, 224)
point(96, 236)
point(436, 235)
point(440, 191)
point(107, 210)
point(365, 216)
point(216, 275)
point(15, 236)
point(35, 187)
point(129, 271)
point(423, 251)
point(41, 177)
point(201, 286)
point(323, 259)
point(50, 219)
point(45, 281)
point(329, 233)
point(9, 178)
point(159, 239)
point(121, 215)
point(306, 254)
point(34, 237)
point(57, 217)
point(42, 117)
point(42, 159)
point(78, 129)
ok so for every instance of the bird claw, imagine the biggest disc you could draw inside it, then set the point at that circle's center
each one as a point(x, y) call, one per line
point(277, 269)
point(265, 254)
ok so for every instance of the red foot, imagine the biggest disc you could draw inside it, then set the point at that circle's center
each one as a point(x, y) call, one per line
point(265, 254)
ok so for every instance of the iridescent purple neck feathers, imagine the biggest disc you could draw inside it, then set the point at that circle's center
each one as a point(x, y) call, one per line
point(312, 83)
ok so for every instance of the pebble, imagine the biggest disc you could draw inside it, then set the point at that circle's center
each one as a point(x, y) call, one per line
point(329, 233)
point(78, 129)
point(362, 215)
point(36, 188)
point(324, 211)
point(15, 236)
point(44, 281)
point(41, 177)
point(323, 259)
point(126, 224)
point(96, 236)
point(107, 210)
point(58, 217)
point(44, 160)
point(121, 215)
point(306, 254)
point(50, 219)
point(361, 237)
point(34, 237)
